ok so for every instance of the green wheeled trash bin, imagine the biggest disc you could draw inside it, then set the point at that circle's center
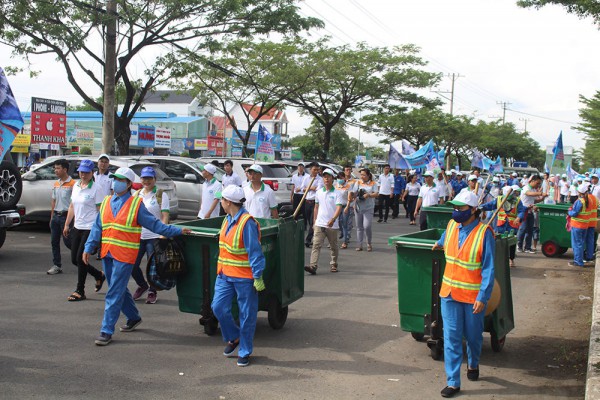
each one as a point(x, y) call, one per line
point(420, 271)
point(438, 215)
point(554, 237)
point(282, 243)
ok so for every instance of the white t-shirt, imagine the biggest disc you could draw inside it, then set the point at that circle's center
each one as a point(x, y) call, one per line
point(596, 190)
point(442, 187)
point(564, 187)
point(328, 200)
point(85, 203)
point(233, 179)
point(318, 183)
point(430, 195)
point(386, 184)
point(343, 190)
point(297, 182)
point(104, 183)
point(209, 189)
point(528, 200)
point(154, 208)
point(413, 188)
point(259, 204)
point(573, 190)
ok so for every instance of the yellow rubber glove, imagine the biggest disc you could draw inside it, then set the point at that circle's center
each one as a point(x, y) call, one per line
point(259, 284)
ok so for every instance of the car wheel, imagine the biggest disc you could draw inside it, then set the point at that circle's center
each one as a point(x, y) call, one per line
point(11, 185)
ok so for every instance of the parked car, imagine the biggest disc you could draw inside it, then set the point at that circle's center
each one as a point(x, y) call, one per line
point(37, 184)
point(275, 174)
point(186, 172)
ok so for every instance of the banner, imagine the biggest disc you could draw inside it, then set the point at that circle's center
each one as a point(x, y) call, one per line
point(48, 121)
point(407, 148)
point(133, 139)
point(422, 157)
point(81, 138)
point(264, 149)
point(145, 136)
point(21, 144)
point(396, 159)
point(162, 138)
point(477, 160)
point(558, 156)
point(11, 121)
point(571, 173)
point(495, 166)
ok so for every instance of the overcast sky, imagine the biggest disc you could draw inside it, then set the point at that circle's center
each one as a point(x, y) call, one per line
point(539, 61)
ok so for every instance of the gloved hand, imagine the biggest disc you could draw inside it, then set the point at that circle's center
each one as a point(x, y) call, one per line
point(259, 284)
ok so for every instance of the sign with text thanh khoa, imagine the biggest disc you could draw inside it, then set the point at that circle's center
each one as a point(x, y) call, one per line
point(48, 121)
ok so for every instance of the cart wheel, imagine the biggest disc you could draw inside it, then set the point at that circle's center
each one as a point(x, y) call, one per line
point(551, 249)
point(417, 336)
point(277, 315)
point(210, 326)
point(497, 343)
point(563, 250)
point(437, 350)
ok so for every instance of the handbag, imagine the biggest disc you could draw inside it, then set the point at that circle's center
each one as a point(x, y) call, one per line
point(166, 264)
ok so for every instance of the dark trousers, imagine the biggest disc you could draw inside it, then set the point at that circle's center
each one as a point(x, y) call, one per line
point(422, 220)
point(296, 202)
point(146, 248)
point(309, 209)
point(78, 239)
point(396, 205)
point(384, 201)
point(412, 204)
point(525, 233)
point(573, 199)
point(57, 224)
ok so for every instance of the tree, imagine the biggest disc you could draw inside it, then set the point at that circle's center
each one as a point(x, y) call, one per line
point(581, 8)
point(154, 36)
point(350, 80)
point(311, 143)
point(590, 114)
point(260, 74)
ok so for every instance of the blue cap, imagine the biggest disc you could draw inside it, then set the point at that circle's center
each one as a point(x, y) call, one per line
point(148, 172)
point(86, 166)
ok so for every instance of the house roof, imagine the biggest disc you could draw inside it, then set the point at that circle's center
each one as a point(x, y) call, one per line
point(219, 122)
point(272, 115)
point(168, 97)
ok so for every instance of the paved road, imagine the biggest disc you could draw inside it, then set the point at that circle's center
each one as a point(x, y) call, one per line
point(341, 341)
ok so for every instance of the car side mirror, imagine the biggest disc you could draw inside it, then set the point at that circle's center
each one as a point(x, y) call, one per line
point(190, 177)
point(29, 176)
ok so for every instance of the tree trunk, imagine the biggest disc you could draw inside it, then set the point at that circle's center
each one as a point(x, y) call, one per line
point(122, 135)
point(326, 143)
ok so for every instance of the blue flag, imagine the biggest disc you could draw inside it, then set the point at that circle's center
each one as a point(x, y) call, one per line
point(396, 159)
point(477, 160)
point(422, 157)
point(264, 148)
point(11, 121)
point(558, 153)
point(496, 166)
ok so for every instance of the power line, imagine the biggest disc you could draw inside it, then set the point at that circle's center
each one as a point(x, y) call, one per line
point(542, 117)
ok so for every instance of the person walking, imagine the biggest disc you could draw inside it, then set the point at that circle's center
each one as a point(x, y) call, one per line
point(531, 194)
point(230, 177)
point(240, 268)
point(563, 187)
point(86, 197)
point(158, 204)
point(119, 228)
point(467, 284)
point(328, 208)
point(296, 191)
point(399, 186)
point(428, 196)
point(595, 187)
point(101, 176)
point(365, 191)
point(209, 206)
point(59, 206)
point(309, 200)
point(260, 198)
point(573, 192)
point(386, 193)
point(343, 187)
point(410, 197)
point(584, 216)
point(442, 186)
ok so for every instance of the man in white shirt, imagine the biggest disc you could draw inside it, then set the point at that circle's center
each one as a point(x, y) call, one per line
point(442, 186)
point(209, 204)
point(230, 177)
point(386, 193)
point(563, 187)
point(327, 211)
point(101, 176)
point(260, 198)
point(428, 196)
point(532, 193)
point(595, 188)
point(296, 193)
point(309, 201)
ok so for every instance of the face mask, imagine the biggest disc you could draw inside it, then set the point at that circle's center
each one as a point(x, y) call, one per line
point(341, 181)
point(119, 186)
point(461, 216)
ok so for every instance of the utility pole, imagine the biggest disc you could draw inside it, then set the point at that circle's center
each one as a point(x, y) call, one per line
point(524, 120)
point(453, 76)
point(110, 68)
point(504, 104)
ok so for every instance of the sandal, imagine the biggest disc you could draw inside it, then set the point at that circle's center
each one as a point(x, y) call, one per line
point(334, 268)
point(99, 283)
point(76, 296)
point(359, 249)
point(344, 245)
point(369, 247)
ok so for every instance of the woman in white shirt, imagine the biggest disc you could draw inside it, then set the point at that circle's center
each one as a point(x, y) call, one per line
point(365, 191)
point(85, 201)
point(411, 194)
point(160, 209)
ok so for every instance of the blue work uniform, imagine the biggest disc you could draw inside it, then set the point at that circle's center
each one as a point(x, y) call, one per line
point(458, 318)
point(457, 186)
point(118, 297)
point(492, 205)
point(226, 288)
point(578, 237)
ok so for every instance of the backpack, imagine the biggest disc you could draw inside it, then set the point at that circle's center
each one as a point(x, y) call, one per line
point(166, 264)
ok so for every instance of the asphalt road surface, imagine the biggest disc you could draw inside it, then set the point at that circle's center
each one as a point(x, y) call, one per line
point(341, 340)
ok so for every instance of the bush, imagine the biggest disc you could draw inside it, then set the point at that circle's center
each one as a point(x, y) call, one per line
point(85, 151)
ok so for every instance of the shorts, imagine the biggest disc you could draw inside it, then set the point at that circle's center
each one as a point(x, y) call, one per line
point(536, 234)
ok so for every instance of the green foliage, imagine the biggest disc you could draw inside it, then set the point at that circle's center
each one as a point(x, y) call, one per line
point(581, 8)
point(85, 151)
point(310, 144)
point(590, 114)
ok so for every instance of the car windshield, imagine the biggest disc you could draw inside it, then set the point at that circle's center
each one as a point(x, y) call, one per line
point(272, 170)
point(199, 165)
point(137, 168)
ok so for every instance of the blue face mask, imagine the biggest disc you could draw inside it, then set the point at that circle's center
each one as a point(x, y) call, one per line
point(341, 181)
point(119, 186)
point(461, 216)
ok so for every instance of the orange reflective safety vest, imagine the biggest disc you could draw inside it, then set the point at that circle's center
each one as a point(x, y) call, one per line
point(510, 216)
point(588, 208)
point(462, 276)
point(121, 233)
point(233, 257)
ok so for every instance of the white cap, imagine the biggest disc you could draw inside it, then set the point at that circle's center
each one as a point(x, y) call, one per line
point(465, 198)
point(514, 174)
point(103, 155)
point(458, 173)
point(449, 173)
point(586, 179)
point(412, 172)
point(583, 188)
point(564, 175)
point(211, 169)
point(255, 168)
point(232, 193)
point(328, 171)
point(587, 172)
point(505, 190)
point(428, 173)
point(551, 175)
point(594, 175)
point(516, 188)
point(496, 179)
point(471, 177)
point(124, 173)
point(452, 171)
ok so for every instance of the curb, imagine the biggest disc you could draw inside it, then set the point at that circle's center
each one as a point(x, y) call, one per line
point(592, 386)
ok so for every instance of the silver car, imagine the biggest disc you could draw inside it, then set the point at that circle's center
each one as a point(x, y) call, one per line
point(37, 184)
point(186, 172)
